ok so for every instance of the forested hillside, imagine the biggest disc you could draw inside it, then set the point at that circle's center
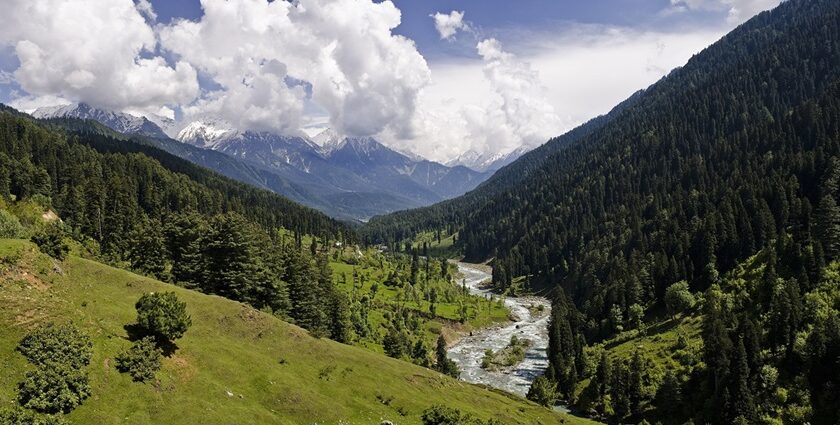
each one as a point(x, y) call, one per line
point(736, 152)
point(702, 170)
point(102, 184)
point(137, 207)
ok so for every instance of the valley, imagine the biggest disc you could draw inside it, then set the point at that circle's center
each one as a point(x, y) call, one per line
point(529, 315)
point(379, 212)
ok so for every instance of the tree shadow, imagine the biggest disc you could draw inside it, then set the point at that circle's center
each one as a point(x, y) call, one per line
point(136, 332)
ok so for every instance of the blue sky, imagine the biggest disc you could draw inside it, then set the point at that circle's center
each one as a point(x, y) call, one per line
point(506, 74)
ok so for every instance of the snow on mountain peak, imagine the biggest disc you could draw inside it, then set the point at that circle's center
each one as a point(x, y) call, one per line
point(207, 133)
point(118, 121)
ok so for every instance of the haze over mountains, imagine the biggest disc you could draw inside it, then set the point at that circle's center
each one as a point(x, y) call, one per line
point(347, 177)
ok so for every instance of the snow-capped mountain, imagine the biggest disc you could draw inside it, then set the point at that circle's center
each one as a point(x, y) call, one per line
point(262, 147)
point(347, 177)
point(117, 121)
point(487, 162)
point(208, 133)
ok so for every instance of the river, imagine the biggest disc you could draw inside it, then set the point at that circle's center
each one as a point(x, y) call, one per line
point(469, 351)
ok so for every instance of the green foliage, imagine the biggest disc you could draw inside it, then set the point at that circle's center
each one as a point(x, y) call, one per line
point(21, 416)
point(50, 240)
point(141, 361)
point(59, 383)
point(512, 354)
point(444, 364)
point(442, 415)
point(163, 315)
point(54, 389)
point(543, 391)
point(678, 298)
point(57, 345)
point(10, 227)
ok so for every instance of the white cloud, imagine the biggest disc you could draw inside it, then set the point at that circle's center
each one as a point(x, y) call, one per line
point(366, 78)
point(30, 103)
point(583, 72)
point(448, 25)
point(90, 50)
point(145, 7)
point(516, 112)
point(737, 11)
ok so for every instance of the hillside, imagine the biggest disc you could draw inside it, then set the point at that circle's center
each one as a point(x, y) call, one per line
point(706, 166)
point(647, 213)
point(235, 365)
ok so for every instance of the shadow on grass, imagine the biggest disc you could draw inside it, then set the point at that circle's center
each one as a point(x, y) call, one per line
point(136, 332)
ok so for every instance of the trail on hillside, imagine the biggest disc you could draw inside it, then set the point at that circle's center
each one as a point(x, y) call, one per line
point(469, 351)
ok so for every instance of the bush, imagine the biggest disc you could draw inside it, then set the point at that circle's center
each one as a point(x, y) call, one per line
point(21, 416)
point(141, 361)
point(57, 345)
point(543, 391)
point(10, 227)
point(163, 315)
point(59, 384)
point(50, 240)
point(678, 298)
point(53, 389)
point(442, 415)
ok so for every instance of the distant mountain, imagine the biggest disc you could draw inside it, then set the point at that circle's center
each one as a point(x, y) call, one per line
point(488, 161)
point(359, 165)
point(347, 178)
point(261, 147)
point(118, 121)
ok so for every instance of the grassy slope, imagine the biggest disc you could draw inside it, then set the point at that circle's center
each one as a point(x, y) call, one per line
point(660, 348)
point(444, 248)
point(230, 348)
point(481, 313)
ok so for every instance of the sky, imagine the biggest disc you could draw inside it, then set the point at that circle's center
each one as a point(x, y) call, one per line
point(438, 78)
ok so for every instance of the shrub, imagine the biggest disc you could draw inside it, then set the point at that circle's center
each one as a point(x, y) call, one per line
point(543, 391)
point(141, 361)
point(57, 345)
point(59, 384)
point(21, 416)
point(678, 298)
point(442, 415)
point(50, 240)
point(10, 227)
point(53, 389)
point(163, 315)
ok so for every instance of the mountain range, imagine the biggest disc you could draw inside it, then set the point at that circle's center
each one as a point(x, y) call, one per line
point(351, 178)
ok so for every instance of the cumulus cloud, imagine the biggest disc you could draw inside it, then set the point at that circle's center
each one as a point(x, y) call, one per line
point(447, 25)
point(269, 58)
point(737, 11)
point(95, 51)
point(145, 7)
point(516, 113)
point(583, 71)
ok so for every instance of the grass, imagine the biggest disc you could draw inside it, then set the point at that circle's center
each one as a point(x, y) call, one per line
point(372, 271)
point(235, 365)
point(445, 248)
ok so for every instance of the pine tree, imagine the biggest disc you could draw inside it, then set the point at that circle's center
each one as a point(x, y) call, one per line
point(828, 226)
point(341, 327)
point(230, 260)
point(669, 396)
point(443, 363)
point(147, 251)
point(635, 384)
